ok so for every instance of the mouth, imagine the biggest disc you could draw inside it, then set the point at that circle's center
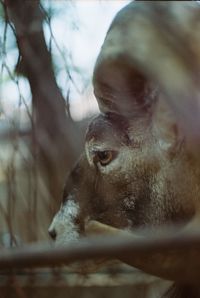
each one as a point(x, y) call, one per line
point(64, 229)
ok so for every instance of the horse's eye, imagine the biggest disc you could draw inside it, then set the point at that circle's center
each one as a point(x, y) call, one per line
point(104, 157)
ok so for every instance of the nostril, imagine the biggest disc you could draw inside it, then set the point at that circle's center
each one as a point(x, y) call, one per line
point(53, 234)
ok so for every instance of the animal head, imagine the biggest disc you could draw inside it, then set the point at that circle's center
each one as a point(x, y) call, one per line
point(130, 174)
point(121, 179)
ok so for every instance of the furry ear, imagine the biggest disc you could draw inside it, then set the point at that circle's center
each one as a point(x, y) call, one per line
point(120, 85)
point(152, 41)
point(120, 88)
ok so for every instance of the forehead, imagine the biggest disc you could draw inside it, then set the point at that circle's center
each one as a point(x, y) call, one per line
point(109, 127)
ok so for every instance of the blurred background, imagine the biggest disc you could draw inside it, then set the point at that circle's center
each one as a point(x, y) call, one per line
point(48, 49)
point(47, 54)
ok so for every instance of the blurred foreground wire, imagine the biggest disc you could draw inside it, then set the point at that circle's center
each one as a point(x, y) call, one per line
point(163, 255)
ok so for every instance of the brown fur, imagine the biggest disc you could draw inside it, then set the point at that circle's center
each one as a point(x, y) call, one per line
point(153, 179)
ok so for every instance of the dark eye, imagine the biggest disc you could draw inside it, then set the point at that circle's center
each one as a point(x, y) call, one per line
point(104, 157)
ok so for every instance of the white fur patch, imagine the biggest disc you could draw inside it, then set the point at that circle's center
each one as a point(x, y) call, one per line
point(63, 223)
point(89, 155)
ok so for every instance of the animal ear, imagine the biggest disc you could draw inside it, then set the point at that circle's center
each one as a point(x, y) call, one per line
point(119, 85)
point(120, 88)
point(152, 41)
